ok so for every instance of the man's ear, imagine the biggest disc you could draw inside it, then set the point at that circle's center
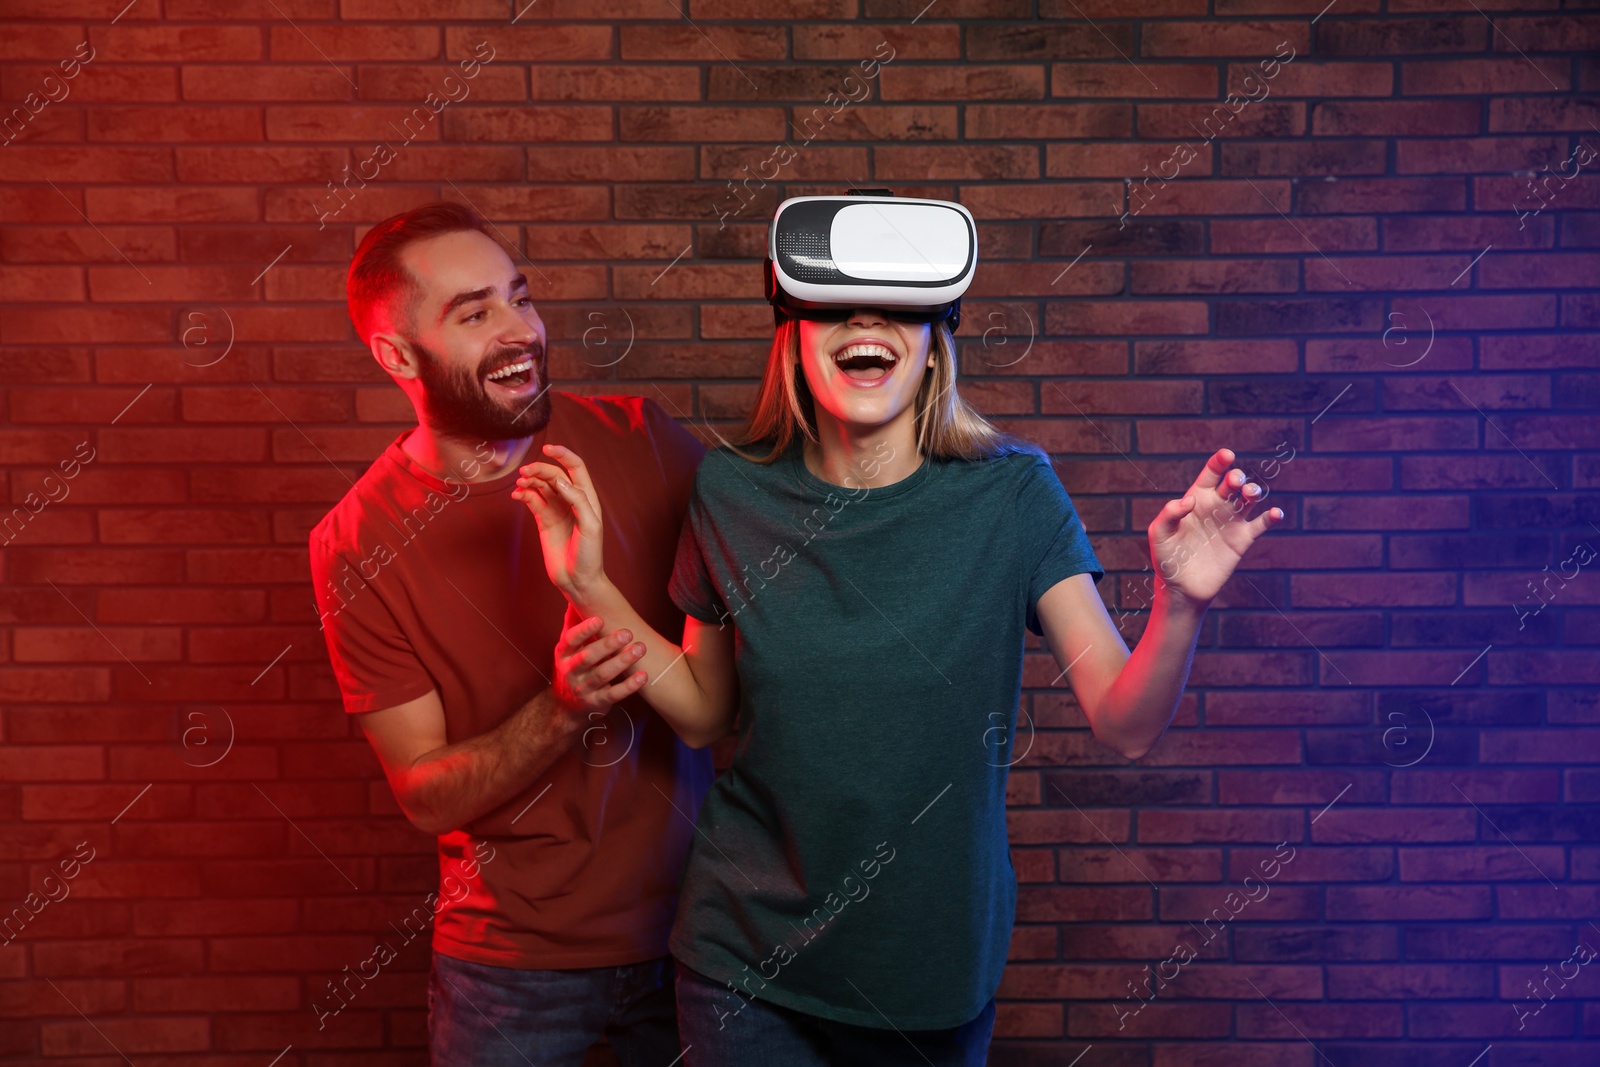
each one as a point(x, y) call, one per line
point(393, 354)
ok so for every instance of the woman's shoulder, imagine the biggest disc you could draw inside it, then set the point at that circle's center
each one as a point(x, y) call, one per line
point(1021, 462)
point(730, 470)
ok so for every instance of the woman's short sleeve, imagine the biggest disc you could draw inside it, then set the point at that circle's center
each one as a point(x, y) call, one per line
point(1059, 536)
point(691, 587)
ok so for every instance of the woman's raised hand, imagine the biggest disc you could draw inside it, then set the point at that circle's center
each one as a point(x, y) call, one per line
point(1197, 541)
point(564, 503)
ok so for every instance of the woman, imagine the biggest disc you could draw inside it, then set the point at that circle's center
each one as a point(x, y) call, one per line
point(857, 571)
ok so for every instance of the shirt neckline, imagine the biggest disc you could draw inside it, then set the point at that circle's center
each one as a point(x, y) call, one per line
point(499, 484)
point(816, 486)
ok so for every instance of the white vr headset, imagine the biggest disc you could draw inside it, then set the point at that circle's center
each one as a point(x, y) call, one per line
point(828, 255)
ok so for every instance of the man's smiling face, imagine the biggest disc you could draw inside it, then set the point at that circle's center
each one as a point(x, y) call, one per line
point(478, 342)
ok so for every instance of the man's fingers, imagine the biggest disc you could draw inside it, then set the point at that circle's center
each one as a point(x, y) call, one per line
point(575, 637)
point(591, 659)
point(625, 688)
point(611, 665)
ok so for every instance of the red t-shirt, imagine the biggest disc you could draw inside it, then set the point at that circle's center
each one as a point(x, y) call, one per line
point(423, 583)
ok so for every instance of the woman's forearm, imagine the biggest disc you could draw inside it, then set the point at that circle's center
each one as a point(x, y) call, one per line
point(1139, 705)
point(672, 690)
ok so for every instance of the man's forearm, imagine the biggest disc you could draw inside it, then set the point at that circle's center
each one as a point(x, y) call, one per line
point(451, 786)
point(1138, 707)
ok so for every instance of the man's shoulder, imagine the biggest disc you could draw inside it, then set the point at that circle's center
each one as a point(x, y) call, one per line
point(618, 412)
point(634, 419)
point(341, 529)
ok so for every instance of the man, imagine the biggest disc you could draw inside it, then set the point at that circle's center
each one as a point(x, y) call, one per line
point(563, 823)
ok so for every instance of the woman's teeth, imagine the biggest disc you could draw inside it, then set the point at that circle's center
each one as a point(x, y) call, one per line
point(866, 362)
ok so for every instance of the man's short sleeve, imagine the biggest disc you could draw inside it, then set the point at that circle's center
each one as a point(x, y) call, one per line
point(372, 659)
point(691, 587)
point(679, 450)
point(1061, 546)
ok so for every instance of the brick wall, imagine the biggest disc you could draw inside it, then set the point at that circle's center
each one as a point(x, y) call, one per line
point(1372, 271)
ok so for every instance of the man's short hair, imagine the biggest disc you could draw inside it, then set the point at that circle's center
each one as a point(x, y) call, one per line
point(378, 281)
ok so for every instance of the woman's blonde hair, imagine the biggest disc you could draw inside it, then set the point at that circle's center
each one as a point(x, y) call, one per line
point(947, 427)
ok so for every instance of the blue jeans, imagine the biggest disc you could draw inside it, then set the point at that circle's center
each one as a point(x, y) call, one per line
point(486, 1016)
point(722, 1028)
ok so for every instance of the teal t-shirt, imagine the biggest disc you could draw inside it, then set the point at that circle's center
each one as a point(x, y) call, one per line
point(852, 862)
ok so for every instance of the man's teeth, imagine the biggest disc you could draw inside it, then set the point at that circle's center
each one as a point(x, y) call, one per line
point(515, 368)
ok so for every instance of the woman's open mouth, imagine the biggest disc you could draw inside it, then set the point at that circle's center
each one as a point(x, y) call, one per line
point(867, 363)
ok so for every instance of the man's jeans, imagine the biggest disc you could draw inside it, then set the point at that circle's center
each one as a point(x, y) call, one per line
point(482, 1016)
point(722, 1028)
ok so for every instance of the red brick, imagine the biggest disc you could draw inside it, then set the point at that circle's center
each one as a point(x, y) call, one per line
point(1254, 39)
point(1521, 270)
point(185, 44)
point(1567, 32)
point(1233, 826)
point(1301, 236)
point(712, 44)
point(1202, 123)
point(1089, 317)
point(80, 1037)
point(1395, 118)
point(125, 957)
point(1304, 159)
point(1027, 1020)
point(1216, 276)
point(1514, 115)
point(1413, 36)
point(1121, 161)
point(37, 999)
point(855, 42)
point(1474, 155)
point(1119, 79)
point(215, 993)
point(1052, 121)
point(1048, 41)
point(1382, 195)
point(960, 162)
point(964, 82)
point(1040, 200)
point(1082, 904)
point(1459, 1021)
point(1307, 77)
point(1308, 1021)
point(1475, 76)
point(1157, 1019)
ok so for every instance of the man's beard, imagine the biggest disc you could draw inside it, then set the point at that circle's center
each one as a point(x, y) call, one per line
point(456, 402)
